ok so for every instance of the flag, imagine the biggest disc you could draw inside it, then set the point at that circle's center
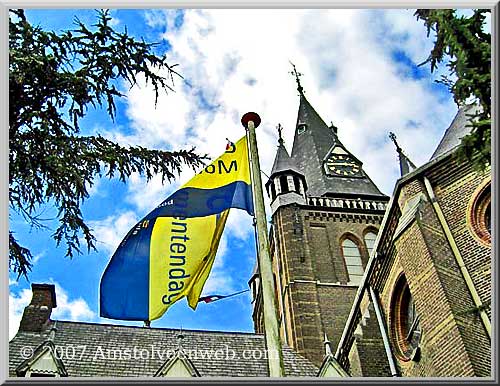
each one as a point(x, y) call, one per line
point(168, 255)
point(211, 298)
point(214, 298)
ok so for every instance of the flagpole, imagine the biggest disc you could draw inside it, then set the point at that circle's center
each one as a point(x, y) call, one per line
point(273, 343)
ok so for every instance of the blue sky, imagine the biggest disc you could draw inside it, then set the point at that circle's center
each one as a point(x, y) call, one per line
point(360, 71)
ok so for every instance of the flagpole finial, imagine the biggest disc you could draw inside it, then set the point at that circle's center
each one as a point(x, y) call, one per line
point(250, 116)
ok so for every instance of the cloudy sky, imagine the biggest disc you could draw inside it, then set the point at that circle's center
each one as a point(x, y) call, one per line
point(359, 72)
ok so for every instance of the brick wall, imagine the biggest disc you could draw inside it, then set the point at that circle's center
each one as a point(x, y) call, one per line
point(453, 342)
point(312, 275)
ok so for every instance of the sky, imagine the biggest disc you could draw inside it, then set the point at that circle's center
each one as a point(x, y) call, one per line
point(360, 71)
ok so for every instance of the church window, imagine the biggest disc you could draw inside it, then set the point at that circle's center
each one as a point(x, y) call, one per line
point(296, 184)
point(370, 237)
point(284, 184)
point(405, 322)
point(353, 262)
point(480, 213)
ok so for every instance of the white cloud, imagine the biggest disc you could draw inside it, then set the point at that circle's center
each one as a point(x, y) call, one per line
point(17, 303)
point(350, 78)
point(231, 66)
point(67, 309)
point(76, 309)
point(111, 230)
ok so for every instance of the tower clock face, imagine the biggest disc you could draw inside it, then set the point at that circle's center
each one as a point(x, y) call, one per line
point(342, 165)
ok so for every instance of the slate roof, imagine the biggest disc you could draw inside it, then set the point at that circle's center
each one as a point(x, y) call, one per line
point(282, 161)
point(459, 128)
point(101, 341)
point(311, 147)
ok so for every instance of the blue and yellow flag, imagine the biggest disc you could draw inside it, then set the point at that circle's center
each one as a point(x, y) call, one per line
point(169, 253)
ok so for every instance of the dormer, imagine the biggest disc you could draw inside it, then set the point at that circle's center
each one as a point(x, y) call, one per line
point(43, 363)
point(179, 365)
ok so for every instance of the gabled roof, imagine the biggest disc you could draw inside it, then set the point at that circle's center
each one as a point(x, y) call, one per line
point(330, 368)
point(460, 127)
point(43, 361)
point(178, 365)
point(106, 342)
point(309, 151)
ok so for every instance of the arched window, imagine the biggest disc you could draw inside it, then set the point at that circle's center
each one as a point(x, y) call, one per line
point(370, 237)
point(405, 326)
point(284, 184)
point(353, 262)
point(480, 213)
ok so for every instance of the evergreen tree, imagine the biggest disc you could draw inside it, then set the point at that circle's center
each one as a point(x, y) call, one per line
point(53, 80)
point(468, 46)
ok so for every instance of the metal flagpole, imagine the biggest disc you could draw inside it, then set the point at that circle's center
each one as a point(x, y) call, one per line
point(273, 343)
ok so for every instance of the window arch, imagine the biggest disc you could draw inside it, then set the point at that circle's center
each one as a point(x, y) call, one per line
point(370, 237)
point(479, 216)
point(352, 258)
point(406, 330)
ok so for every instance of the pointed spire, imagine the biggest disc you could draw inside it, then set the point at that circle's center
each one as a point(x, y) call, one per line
point(297, 79)
point(405, 164)
point(328, 347)
point(282, 161)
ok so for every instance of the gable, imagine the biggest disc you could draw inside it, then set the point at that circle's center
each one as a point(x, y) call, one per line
point(42, 363)
point(331, 369)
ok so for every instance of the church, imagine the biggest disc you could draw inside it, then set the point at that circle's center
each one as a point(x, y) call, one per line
point(366, 285)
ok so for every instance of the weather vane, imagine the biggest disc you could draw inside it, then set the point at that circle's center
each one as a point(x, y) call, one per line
point(280, 129)
point(297, 78)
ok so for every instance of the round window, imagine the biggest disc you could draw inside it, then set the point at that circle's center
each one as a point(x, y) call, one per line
point(480, 213)
point(405, 322)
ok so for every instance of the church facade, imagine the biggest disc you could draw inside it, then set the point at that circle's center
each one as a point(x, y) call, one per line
point(400, 287)
point(366, 285)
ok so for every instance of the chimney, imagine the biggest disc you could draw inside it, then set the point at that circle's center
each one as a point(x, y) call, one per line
point(37, 314)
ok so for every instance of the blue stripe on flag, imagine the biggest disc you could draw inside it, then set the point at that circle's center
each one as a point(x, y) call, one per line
point(125, 282)
point(195, 202)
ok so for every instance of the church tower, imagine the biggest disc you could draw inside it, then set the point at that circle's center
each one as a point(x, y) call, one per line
point(325, 216)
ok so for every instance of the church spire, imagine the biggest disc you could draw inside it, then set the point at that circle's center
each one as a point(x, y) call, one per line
point(282, 161)
point(405, 164)
point(314, 145)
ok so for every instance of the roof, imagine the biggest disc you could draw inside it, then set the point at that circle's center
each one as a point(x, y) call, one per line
point(458, 128)
point(211, 352)
point(282, 161)
point(310, 149)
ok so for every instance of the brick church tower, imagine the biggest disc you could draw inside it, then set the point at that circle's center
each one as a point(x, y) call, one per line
point(325, 216)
